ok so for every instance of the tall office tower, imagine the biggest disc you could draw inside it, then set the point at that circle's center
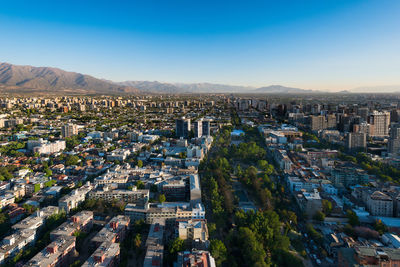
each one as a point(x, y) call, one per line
point(198, 128)
point(317, 122)
point(331, 122)
point(182, 127)
point(69, 130)
point(363, 113)
point(381, 122)
point(244, 104)
point(356, 140)
point(206, 127)
point(395, 115)
point(394, 139)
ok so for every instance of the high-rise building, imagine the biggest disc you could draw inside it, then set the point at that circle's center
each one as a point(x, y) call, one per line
point(381, 122)
point(182, 127)
point(206, 127)
point(317, 123)
point(363, 113)
point(331, 122)
point(394, 139)
point(198, 128)
point(395, 115)
point(69, 130)
point(356, 140)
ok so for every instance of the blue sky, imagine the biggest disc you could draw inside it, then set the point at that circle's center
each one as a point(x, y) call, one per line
point(327, 45)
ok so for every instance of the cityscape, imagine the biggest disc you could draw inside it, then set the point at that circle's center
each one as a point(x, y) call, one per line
point(188, 134)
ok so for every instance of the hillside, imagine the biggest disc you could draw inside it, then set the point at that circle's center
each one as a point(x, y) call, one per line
point(19, 79)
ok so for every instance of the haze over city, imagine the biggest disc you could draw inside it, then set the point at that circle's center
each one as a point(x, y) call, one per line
point(318, 45)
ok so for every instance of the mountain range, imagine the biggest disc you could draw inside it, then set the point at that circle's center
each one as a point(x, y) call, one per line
point(22, 79)
point(29, 79)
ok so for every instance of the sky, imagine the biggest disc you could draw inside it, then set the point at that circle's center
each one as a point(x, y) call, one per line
point(312, 44)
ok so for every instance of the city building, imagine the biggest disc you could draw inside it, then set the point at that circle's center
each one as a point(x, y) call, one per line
point(73, 199)
point(348, 175)
point(380, 204)
point(155, 244)
point(356, 141)
point(139, 196)
point(69, 130)
point(394, 139)
point(45, 147)
point(114, 231)
point(308, 202)
point(106, 255)
point(182, 127)
point(57, 253)
point(195, 232)
point(195, 258)
point(206, 127)
point(381, 122)
point(82, 221)
point(198, 128)
point(368, 256)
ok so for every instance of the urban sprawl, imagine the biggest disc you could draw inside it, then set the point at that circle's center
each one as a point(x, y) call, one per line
point(200, 180)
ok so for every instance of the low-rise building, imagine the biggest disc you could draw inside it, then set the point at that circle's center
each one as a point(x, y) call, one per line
point(155, 245)
point(118, 154)
point(37, 219)
point(45, 147)
point(14, 243)
point(309, 203)
point(195, 232)
point(114, 231)
point(76, 197)
point(368, 256)
point(82, 221)
point(106, 255)
point(380, 204)
point(195, 258)
point(135, 195)
point(57, 253)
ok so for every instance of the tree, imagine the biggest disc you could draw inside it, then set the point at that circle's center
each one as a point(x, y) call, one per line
point(50, 183)
point(353, 218)
point(137, 241)
point(252, 250)
point(71, 160)
point(326, 206)
point(36, 188)
point(218, 251)
point(319, 216)
point(140, 185)
point(140, 163)
point(154, 188)
point(175, 246)
point(48, 172)
point(161, 198)
point(211, 228)
point(380, 227)
point(29, 208)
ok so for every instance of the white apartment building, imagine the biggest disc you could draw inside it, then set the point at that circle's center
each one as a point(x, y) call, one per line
point(45, 147)
point(72, 200)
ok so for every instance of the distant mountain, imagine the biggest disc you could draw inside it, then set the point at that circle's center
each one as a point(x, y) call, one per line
point(278, 89)
point(20, 79)
point(214, 88)
point(155, 87)
point(377, 89)
point(28, 79)
point(158, 87)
